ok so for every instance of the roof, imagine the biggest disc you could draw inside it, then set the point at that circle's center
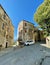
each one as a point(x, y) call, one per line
point(28, 22)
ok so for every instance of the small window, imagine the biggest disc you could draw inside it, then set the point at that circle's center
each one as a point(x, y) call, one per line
point(25, 24)
point(8, 29)
point(4, 16)
point(3, 26)
point(25, 31)
point(4, 34)
point(6, 23)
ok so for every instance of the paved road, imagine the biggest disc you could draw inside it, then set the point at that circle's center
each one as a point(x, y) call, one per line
point(27, 55)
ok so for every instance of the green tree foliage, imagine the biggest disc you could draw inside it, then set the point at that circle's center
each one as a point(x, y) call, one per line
point(42, 16)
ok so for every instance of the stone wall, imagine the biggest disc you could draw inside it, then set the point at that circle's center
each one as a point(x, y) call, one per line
point(6, 29)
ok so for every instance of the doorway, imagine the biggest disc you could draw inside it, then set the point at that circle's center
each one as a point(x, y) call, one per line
point(6, 44)
point(39, 38)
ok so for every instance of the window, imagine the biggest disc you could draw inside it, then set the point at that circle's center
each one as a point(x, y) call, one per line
point(25, 31)
point(25, 24)
point(4, 16)
point(6, 23)
point(4, 34)
point(8, 29)
point(3, 26)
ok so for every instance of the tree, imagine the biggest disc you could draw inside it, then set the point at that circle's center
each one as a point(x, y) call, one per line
point(42, 16)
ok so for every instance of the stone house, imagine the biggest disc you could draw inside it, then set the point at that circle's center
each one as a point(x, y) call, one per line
point(6, 29)
point(27, 31)
point(38, 34)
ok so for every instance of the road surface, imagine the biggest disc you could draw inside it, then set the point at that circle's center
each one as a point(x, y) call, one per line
point(28, 55)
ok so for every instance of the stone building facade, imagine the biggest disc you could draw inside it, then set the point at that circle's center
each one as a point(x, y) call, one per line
point(6, 29)
point(27, 31)
point(38, 34)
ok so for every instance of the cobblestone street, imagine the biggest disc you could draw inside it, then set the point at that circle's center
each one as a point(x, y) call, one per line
point(28, 55)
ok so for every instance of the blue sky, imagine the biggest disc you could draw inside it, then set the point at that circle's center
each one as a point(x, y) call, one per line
point(18, 10)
